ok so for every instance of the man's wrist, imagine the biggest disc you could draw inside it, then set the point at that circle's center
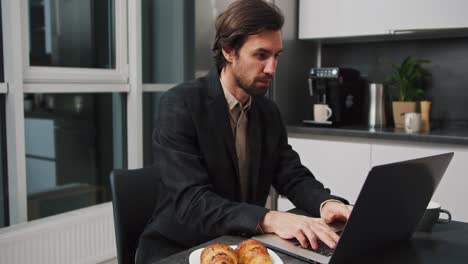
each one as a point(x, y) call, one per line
point(264, 224)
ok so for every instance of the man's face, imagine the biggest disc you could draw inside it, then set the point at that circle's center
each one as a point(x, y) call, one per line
point(254, 65)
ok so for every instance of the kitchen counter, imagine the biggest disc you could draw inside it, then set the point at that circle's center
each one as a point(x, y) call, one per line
point(456, 135)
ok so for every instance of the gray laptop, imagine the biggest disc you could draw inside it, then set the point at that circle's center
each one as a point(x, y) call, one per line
point(387, 211)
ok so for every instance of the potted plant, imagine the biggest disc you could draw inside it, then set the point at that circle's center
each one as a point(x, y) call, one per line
point(407, 82)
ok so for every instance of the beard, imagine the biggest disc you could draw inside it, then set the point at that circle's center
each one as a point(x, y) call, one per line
point(252, 89)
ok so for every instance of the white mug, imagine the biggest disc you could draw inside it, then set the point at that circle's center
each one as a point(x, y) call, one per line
point(412, 122)
point(322, 112)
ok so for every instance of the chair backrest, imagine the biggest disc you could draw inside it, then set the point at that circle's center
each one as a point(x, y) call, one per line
point(133, 200)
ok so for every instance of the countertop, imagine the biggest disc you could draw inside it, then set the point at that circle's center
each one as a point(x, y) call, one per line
point(453, 135)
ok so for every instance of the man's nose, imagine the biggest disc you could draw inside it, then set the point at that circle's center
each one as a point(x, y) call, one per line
point(270, 66)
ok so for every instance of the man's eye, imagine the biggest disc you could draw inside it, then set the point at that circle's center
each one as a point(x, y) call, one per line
point(261, 56)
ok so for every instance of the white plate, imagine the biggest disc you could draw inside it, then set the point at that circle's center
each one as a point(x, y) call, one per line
point(194, 257)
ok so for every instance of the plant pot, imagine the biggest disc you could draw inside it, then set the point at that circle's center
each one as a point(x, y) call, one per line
point(425, 107)
point(399, 109)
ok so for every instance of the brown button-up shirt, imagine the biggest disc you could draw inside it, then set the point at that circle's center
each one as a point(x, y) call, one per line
point(239, 122)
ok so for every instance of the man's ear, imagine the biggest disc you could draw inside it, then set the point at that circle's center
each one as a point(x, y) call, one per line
point(229, 54)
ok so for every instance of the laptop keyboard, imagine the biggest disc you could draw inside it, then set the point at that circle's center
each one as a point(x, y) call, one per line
point(322, 249)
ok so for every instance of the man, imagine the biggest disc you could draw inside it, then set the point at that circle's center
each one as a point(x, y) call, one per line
point(220, 145)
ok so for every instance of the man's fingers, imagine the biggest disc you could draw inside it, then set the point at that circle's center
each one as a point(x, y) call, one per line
point(306, 230)
point(301, 238)
point(330, 217)
point(326, 238)
point(330, 233)
point(317, 229)
point(338, 212)
point(347, 211)
point(311, 236)
point(320, 224)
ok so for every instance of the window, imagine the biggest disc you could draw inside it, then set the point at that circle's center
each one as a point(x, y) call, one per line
point(75, 41)
point(168, 40)
point(177, 37)
point(72, 142)
point(168, 48)
point(72, 33)
point(67, 103)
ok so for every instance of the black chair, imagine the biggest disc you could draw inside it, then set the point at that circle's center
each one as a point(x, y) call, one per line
point(133, 200)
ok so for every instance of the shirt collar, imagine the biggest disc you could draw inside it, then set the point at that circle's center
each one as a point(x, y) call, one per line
point(232, 101)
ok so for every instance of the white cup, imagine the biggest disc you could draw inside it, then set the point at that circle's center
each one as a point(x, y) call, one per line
point(322, 112)
point(412, 122)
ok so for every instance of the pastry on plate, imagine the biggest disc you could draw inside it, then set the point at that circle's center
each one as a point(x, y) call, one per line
point(218, 254)
point(252, 252)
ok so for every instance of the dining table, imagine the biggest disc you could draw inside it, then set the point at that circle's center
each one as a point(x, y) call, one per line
point(446, 243)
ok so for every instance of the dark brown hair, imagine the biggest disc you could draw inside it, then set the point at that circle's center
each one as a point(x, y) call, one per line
point(241, 19)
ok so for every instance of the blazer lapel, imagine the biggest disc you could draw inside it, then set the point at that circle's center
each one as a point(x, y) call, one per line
point(221, 125)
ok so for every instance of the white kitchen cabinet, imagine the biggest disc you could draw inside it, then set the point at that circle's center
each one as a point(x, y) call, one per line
point(453, 188)
point(343, 18)
point(340, 166)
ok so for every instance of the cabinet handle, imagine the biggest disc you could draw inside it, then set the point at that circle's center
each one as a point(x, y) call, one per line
point(415, 30)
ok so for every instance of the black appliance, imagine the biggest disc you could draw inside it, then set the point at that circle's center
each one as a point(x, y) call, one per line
point(342, 89)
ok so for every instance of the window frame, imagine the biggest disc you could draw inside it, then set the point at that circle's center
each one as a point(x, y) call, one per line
point(49, 74)
point(21, 79)
point(3, 149)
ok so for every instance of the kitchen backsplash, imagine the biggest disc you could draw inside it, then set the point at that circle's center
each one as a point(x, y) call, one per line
point(448, 86)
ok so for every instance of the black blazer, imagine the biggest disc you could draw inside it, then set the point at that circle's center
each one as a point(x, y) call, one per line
point(199, 194)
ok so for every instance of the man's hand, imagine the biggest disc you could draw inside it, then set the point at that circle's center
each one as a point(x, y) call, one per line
point(335, 210)
point(305, 229)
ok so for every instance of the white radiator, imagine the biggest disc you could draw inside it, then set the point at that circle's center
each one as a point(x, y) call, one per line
point(82, 236)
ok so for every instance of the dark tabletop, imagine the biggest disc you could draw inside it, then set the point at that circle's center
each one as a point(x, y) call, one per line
point(448, 243)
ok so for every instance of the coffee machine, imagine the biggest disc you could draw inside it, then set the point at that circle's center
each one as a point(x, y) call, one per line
point(342, 90)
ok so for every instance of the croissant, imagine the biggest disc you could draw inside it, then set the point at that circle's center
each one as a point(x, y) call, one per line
point(252, 252)
point(218, 254)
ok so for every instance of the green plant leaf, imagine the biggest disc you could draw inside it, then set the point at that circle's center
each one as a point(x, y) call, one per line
point(407, 79)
